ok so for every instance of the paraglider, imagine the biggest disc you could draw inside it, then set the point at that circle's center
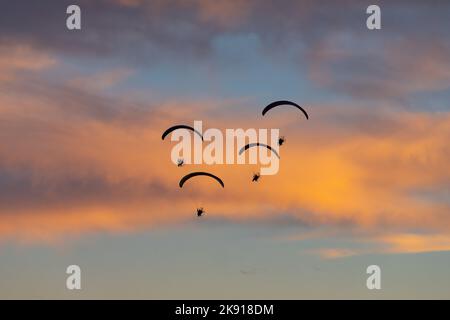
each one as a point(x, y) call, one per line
point(281, 103)
point(256, 177)
point(200, 212)
point(180, 126)
point(257, 144)
point(185, 147)
point(195, 174)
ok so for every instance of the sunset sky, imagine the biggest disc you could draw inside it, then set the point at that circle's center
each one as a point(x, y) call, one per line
point(86, 179)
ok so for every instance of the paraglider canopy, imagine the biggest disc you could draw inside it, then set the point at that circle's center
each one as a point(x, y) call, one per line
point(195, 174)
point(286, 103)
point(258, 144)
point(180, 126)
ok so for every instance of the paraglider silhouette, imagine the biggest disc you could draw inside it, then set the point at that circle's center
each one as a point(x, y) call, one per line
point(256, 176)
point(200, 210)
point(281, 103)
point(257, 144)
point(195, 174)
point(180, 126)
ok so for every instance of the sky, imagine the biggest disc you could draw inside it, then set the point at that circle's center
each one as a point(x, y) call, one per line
point(85, 178)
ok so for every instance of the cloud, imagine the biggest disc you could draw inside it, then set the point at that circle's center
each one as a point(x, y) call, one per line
point(79, 158)
point(354, 64)
point(16, 58)
point(335, 253)
point(416, 243)
point(70, 153)
point(145, 32)
point(102, 80)
point(385, 242)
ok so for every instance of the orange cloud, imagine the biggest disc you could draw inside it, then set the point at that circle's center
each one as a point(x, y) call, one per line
point(102, 80)
point(73, 161)
point(394, 243)
point(367, 180)
point(224, 13)
point(415, 243)
point(19, 57)
point(333, 253)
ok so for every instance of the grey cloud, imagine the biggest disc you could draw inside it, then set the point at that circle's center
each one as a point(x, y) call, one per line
point(171, 29)
point(24, 189)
